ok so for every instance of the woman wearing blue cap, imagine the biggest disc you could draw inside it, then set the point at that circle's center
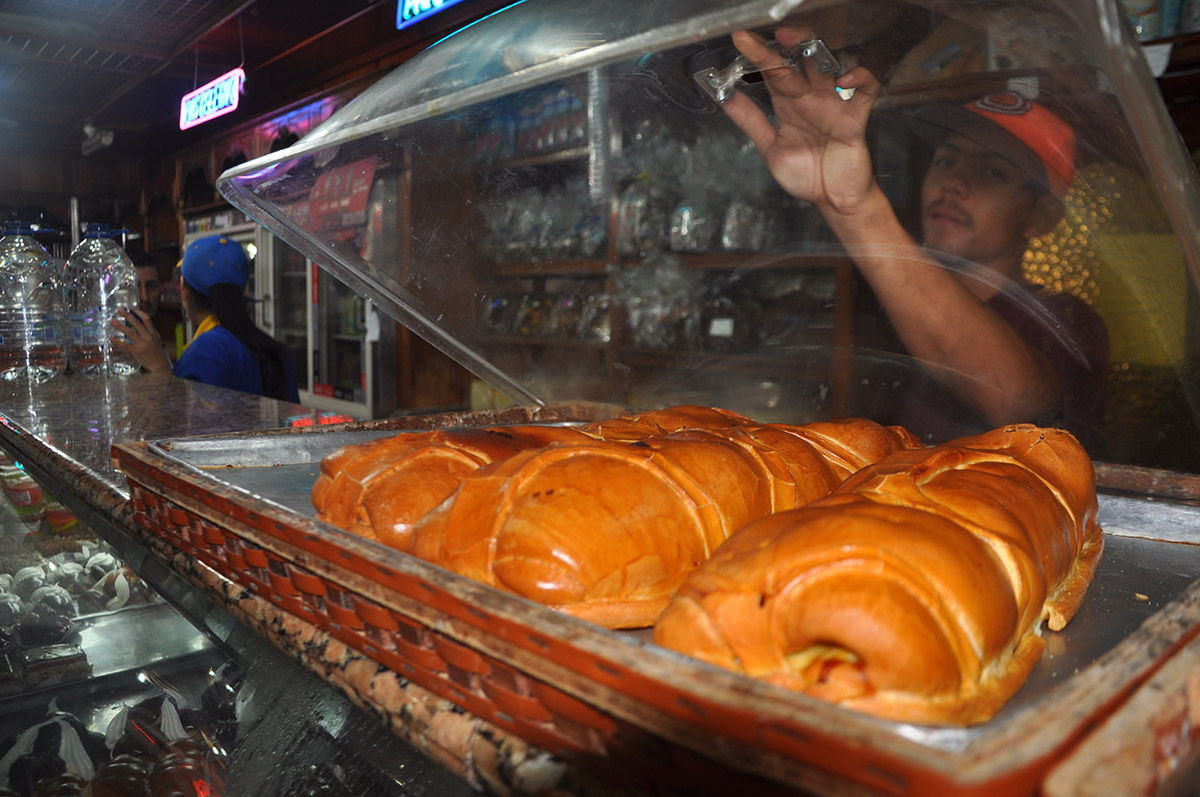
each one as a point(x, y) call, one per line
point(227, 349)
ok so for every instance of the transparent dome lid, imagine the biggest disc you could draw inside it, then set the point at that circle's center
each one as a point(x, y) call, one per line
point(948, 216)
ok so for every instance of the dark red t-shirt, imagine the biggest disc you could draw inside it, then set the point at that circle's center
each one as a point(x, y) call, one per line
point(1061, 326)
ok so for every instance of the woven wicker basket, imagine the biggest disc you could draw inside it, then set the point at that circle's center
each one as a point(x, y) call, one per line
point(609, 701)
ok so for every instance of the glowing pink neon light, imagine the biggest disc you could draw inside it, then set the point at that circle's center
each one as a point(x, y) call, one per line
point(215, 98)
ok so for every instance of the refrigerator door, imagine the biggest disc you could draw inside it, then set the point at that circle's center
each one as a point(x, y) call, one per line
point(340, 355)
point(286, 307)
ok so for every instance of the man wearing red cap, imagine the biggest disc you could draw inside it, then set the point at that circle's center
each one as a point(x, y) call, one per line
point(994, 349)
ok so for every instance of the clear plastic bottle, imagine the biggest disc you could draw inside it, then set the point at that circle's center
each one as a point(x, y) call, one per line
point(30, 308)
point(98, 279)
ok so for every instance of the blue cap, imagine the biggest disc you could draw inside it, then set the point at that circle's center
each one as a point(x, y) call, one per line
point(215, 260)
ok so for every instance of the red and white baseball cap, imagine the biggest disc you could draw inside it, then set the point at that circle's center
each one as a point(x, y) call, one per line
point(1050, 139)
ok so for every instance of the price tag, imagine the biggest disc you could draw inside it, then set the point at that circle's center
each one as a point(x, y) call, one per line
point(1158, 56)
point(720, 328)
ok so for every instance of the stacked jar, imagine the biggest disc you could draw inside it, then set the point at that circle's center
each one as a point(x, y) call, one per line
point(30, 308)
point(99, 278)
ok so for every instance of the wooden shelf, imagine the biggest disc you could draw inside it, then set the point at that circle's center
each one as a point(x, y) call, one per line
point(543, 159)
point(743, 361)
point(1180, 85)
point(717, 261)
point(731, 261)
point(1185, 52)
point(962, 88)
point(519, 340)
point(592, 267)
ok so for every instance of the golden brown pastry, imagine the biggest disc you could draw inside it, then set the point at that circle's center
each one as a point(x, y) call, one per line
point(656, 423)
point(380, 488)
point(607, 531)
point(916, 591)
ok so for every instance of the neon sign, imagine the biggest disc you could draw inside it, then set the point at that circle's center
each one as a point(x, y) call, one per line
point(411, 11)
point(215, 98)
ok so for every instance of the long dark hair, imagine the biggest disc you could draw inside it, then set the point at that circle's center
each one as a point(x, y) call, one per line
point(228, 303)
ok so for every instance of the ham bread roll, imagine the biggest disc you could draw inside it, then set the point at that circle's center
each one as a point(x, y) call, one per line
point(606, 531)
point(917, 590)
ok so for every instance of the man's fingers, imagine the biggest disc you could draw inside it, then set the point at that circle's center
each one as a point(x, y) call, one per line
point(777, 73)
point(791, 35)
point(752, 46)
point(134, 321)
point(866, 89)
point(746, 114)
point(133, 315)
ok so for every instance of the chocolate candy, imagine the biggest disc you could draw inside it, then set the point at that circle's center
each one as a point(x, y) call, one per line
point(123, 776)
point(186, 769)
point(65, 785)
point(100, 564)
point(35, 629)
point(52, 599)
point(11, 608)
point(28, 579)
point(8, 640)
point(70, 576)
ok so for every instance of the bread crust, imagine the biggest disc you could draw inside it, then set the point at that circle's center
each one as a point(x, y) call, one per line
point(378, 489)
point(917, 590)
point(603, 522)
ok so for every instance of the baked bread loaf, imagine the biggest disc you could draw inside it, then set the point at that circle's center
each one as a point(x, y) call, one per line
point(656, 423)
point(380, 488)
point(606, 531)
point(917, 590)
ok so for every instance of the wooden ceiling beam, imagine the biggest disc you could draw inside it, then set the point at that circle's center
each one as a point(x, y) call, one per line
point(40, 31)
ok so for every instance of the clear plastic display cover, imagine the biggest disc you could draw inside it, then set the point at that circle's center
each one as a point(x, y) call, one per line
point(948, 216)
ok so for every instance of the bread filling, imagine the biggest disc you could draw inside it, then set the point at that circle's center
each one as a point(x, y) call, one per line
point(830, 672)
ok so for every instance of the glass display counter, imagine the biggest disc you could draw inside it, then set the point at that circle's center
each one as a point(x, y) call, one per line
point(784, 209)
point(117, 673)
point(207, 675)
point(575, 211)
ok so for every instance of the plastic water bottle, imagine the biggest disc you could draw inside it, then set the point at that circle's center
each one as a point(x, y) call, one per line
point(98, 279)
point(30, 308)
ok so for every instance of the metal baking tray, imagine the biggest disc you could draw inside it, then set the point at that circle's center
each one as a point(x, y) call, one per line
point(1151, 559)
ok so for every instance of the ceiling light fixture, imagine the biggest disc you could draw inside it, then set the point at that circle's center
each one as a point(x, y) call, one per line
point(96, 139)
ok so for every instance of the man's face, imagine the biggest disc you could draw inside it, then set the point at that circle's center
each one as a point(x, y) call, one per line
point(978, 203)
point(149, 289)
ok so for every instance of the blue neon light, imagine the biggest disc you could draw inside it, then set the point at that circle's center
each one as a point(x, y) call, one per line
point(409, 12)
point(472, 24)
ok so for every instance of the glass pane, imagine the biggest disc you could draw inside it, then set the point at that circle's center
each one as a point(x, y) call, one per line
point(290, 296)
point(339, 370)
